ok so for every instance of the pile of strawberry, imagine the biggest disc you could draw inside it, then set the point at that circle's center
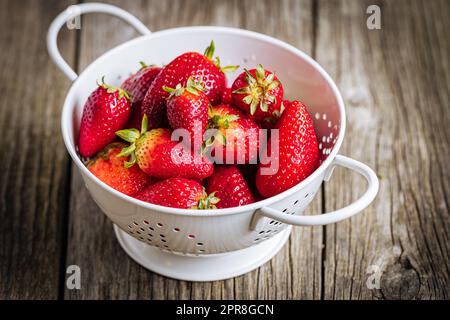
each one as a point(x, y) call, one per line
point(190, 93)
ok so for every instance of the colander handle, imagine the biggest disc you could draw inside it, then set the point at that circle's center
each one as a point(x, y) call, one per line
point(338, 215)
point(76, 10)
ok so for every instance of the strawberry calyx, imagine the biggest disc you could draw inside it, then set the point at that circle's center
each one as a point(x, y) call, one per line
point(275, 115)
point(143, 65)
point(209, 53)
point(112, 89)
point(192, 86)
point(258, 90)
point(132, 136)
point(216, 121)
point(208, 201)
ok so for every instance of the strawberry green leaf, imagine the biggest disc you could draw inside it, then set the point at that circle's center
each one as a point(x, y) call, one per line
point(273, 85)
point(253, 106)
point(209, 52)
point(263, 106)
point(129, 135)
point(220, 138)
point(144, 124)
point(269, 79)
point(260, 73)
point(192, 90)
point(248, 99)
point(127, 151)
point(143, 65)
point(243, 90)
point(229, 68)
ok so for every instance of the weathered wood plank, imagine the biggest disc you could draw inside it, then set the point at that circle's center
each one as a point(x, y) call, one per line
point(395, 82)
point(33, 161)
point(107, 272)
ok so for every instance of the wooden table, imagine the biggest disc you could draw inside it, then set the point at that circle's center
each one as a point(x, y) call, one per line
point(396, 85)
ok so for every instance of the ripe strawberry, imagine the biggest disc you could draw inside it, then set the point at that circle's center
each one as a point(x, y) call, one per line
point(137, 86)
point(158, 156)
point(106, 110)
point(227, 97)
point(191, 64)
point(178, 193)
point(187, 108)
point(298, 152)
point(109, 168)
point(229, 185)
point(237, 138)
point(259, 93)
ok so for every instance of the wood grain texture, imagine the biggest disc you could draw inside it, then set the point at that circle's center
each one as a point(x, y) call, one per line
point(293, 274)
point(396, 86)
point(33, 161)
point(395, 82)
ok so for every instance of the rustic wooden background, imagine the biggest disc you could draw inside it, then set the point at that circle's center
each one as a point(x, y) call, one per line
point(395, 82)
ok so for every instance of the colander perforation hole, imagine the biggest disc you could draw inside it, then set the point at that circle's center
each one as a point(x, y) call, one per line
point(162, 236)
point(285, 209)
point(201, 250)
point(296, 201)
point(256, 240)
point(199, 244)
point(151, 228)
point(150, 234)
point(306, 195)
point(191, 236)
point(163, 240)
point(135, 223)
point(160, 225)
point(176, 229)
point(145, 222)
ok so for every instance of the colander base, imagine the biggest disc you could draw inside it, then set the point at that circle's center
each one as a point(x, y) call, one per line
point(204, 267)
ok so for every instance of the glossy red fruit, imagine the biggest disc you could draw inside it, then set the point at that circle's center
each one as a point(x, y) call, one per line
point(137, 86)
point(229, 185)
point(200, 67)
point(227, 97)
point(187, 108)
point(298, 153)
point(109, 168)
point(237, 137)
point(178, 193)
point(158, 156)
point(106, 110)
point(259, 93)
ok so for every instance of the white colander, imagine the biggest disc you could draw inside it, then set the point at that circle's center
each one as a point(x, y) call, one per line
point(211, 244)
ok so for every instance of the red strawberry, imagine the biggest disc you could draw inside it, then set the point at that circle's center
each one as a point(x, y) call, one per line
point(109, 168)
point(158, 156)
point(137, 86)
point(298, 153)
point(237, 138)
point(228, 184)
point(191, 64)
point(106, 110)
point(259, 93)
point(227, 97)
point(187, 108)
point(178, 193)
